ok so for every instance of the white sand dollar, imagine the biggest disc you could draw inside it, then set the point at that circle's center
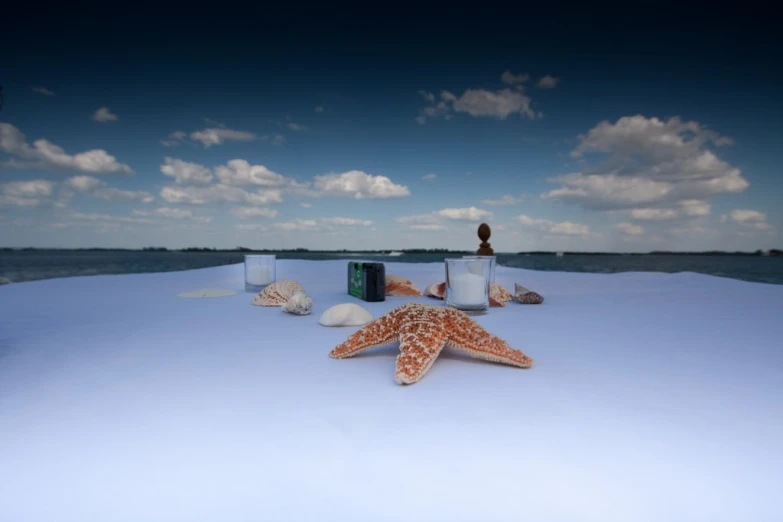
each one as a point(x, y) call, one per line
point(207, 292)
point(346, 314)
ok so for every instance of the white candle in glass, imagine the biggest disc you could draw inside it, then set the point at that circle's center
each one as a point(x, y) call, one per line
point(258, 275)
point(468, 290)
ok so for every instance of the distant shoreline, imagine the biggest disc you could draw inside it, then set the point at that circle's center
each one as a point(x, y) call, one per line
point(242, 250)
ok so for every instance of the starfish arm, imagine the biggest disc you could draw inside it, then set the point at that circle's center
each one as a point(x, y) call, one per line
point(420, 345)
point(379, 332)
point(495, 350)
point(468, 336)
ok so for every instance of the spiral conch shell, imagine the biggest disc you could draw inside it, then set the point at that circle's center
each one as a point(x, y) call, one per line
point(527, 296)
point(397, 285)
point(299, 304)
point(278, 293)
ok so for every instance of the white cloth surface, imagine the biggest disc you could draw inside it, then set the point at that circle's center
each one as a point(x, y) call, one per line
point(653, 397)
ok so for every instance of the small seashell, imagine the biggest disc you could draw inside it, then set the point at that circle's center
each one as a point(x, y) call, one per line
point(299, 304)
point(498, 295)
point(277, 293)
point(436, 290)
point(397, 286)
point(346, 314)
point(526, 296)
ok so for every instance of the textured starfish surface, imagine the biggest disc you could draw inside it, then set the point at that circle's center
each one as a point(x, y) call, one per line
point(423, 331)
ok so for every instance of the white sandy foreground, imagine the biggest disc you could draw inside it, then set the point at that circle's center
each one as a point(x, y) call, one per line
point(653, 397)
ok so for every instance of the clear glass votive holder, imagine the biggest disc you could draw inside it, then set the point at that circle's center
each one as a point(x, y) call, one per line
point(493, 262)
point(259, 272)
point(467, 284)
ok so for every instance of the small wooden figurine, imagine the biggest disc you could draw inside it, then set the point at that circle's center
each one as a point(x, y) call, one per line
point(484, 248)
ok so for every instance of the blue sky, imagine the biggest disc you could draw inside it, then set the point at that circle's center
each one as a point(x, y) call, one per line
point(392, 129)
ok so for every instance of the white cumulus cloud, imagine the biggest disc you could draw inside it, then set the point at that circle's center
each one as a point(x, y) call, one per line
point(116, 194)
point(84, 183)
point(346, 222)
point(104, 219)
point(694, 208)
point(174, 139)
point(104, 115)
point(217, 135)
point(427, 227)
point(752, 219)
point(654, 214)
point(506, 199)
point(252, 227)
point(101, 190)
point(683, 209)
point(43, 90)
point(564, 228)
point(649, 163)
point(240, 172)
point(438, 219)
point(250, 212)
point(630, 229)
point(44, 154)
point(494, 104)
point(429, 222)
point(277, 139)
point(513, 79)
point(297, 224)
point(481, 102)
point(185, 172)
point(25, 193)
point(547, 82)
point(429, 177)
point(464, 214)
point(172, 213)
point(360, 185)
point(747, 216)
point(203, 195)
point(195, 184)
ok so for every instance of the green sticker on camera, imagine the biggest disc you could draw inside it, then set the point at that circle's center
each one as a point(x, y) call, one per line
point(356, 280)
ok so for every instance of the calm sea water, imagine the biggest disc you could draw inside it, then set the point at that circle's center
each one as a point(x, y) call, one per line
point(18, 266)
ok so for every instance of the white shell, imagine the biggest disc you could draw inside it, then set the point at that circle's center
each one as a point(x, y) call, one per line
point(346, 314)
point(299, 304)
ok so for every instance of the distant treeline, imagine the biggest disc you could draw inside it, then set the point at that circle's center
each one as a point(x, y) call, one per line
point(774, 252)
point(244, 249)
point(343, 251)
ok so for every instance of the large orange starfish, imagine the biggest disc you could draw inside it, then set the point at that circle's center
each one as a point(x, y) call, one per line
point(422, 331)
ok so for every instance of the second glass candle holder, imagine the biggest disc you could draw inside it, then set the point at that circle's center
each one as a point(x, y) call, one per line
point(259, 272)
point(467, 284)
